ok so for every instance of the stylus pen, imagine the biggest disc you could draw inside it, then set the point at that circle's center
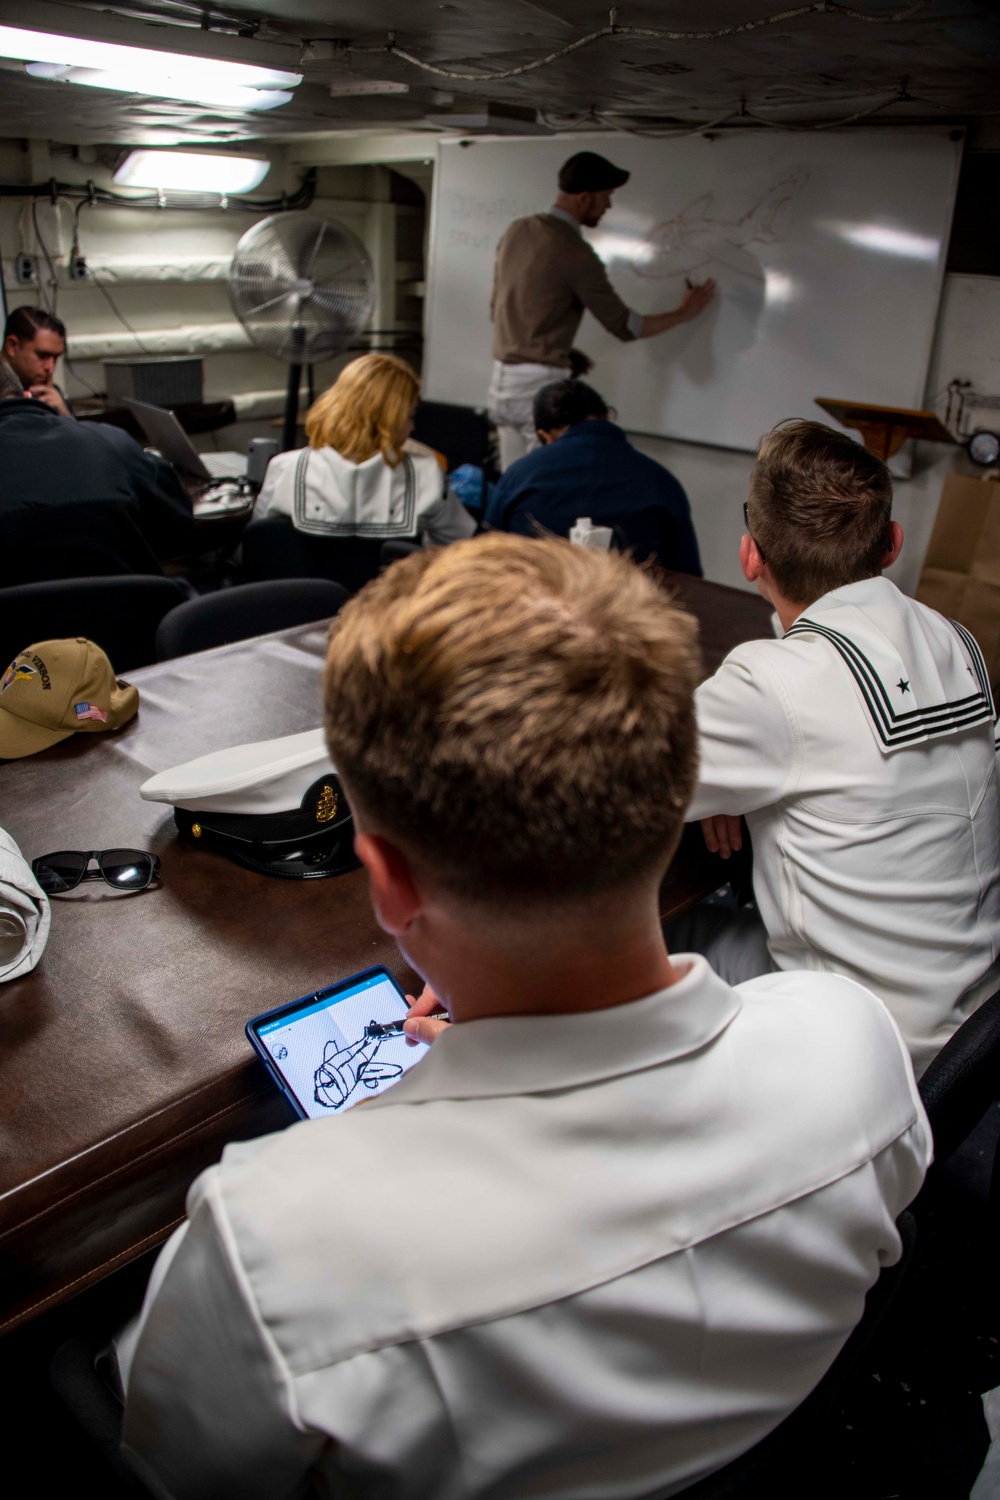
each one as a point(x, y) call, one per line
point(379, 1026)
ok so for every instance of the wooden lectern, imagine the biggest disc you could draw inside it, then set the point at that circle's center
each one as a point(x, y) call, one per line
point(884, 429)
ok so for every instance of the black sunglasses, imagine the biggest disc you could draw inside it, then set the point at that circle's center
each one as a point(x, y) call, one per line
point(746, 519)
point(122, 869)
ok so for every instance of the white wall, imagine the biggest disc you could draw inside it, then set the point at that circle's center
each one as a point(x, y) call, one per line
point(167, 272)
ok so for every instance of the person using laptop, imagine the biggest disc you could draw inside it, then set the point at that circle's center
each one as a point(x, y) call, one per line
point(577, 1250)
point(81, 500)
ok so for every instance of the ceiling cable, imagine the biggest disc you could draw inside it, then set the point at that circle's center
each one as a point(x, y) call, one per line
point(819, 7)
point(734, 118)
point(901, 96)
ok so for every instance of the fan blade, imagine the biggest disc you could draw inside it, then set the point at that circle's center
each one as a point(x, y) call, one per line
point(252, 312)
point(315, 249)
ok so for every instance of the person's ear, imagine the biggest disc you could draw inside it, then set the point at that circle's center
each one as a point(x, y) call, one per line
point(895, 544)
point(394, 894)
point(750, 559)
point(11, 344)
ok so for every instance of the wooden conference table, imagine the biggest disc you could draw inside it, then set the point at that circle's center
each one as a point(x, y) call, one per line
point(123, 1065)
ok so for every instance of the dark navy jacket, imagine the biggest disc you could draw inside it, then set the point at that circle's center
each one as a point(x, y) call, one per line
point(593, 470)
point(82, 500)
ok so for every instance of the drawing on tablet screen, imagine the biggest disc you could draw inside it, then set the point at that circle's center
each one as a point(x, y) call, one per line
point(356, 1065)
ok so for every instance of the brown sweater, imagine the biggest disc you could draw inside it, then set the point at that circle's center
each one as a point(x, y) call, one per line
point(546, 275)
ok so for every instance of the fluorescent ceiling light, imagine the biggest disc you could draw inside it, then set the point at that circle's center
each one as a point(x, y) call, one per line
point(221, 96)
point(191, 172)
point(140, 70)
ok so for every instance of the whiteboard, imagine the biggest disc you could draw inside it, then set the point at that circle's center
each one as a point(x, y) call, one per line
point(828, 250)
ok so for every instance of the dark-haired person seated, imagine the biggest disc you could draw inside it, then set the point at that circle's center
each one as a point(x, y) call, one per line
point(586, 466)
point(79, 500)
point(860, 748)
point(33, 343)
point(619, 1219)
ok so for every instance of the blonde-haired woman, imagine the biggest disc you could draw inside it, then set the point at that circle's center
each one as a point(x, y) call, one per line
point(358, 477)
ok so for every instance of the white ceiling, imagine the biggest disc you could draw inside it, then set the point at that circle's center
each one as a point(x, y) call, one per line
point(819, 67)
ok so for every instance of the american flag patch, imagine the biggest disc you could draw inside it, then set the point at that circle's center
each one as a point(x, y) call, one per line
point(90, 711)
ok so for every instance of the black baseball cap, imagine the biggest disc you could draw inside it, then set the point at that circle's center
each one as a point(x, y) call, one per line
point(586, 172)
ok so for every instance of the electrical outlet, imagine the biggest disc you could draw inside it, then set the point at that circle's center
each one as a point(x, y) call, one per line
point(78, 268)
point(24, 270)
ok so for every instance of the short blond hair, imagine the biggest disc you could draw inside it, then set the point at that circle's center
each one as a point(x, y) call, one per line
point(519, 713)
point(363, 411)
point(820, 508)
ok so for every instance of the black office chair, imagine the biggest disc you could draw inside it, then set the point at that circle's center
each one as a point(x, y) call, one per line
point(461, 433)
point(120, 614)
point(963, 1080)
point(80, 1373)
point(397, 548)
point(272, 548)
point(249, 609)
point(958, 1088)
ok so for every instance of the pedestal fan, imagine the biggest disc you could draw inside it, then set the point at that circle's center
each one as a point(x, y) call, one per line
point(303, 288)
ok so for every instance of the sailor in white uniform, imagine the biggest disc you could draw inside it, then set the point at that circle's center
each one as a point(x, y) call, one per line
point(620, 1218)
point(860, 747)
point(326, 494)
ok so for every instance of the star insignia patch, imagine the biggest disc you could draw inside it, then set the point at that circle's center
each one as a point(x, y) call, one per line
point(904, 687)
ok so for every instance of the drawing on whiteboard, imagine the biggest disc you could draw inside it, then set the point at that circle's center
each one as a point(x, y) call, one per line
point(346, 1069)
point(694, 239)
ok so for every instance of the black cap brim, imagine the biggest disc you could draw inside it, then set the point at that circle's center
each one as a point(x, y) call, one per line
point(330, 851)
point(306, 843)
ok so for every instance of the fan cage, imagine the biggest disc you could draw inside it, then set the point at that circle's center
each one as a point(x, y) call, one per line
point(302, 286)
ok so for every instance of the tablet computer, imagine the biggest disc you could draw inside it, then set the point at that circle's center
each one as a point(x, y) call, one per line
point(337, 1046)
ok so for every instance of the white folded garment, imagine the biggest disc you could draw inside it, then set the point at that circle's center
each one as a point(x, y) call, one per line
point(27, 903)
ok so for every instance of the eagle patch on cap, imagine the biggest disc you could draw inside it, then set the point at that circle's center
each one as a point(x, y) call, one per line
point(326, 805)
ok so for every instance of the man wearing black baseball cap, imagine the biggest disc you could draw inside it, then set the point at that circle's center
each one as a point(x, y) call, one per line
point(546, 277)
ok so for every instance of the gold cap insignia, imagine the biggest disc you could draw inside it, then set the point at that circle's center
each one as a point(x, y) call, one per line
point(326, 807)
point(196, 830)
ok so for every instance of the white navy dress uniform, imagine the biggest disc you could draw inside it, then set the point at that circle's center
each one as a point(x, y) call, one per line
point(861, 749)
point(328, 495)
point(565, 1256)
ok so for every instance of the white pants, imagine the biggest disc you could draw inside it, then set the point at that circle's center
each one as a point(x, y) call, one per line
point(732, 938)
point(513, 389)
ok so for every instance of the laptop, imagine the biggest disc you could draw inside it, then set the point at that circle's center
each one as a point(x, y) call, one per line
point(164, 432)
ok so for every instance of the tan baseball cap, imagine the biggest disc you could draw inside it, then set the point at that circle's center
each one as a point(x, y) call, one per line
point(56, 689)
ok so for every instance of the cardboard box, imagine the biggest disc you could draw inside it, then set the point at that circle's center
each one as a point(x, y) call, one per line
point(961, 572)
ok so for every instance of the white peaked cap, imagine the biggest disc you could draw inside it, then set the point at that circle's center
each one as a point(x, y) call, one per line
point(271, 776)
